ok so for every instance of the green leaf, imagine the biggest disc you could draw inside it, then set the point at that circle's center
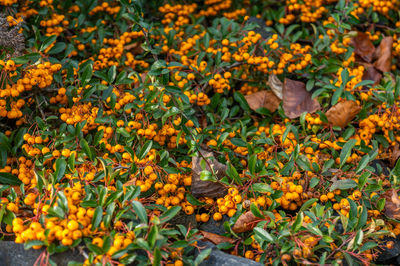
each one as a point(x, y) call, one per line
point(97, 217)
point(140, 211)
point(202, 256)
point(343, 184)
point(264, 235)
point(86, 74)
point(192, 200)
point(61, 166)
point(112, 73)
point(32, 243)
point(86, 148)
point(33, 57)
point(252, 163)
point(254, 209)
point(9, 179)
point(145, 149)
point(314, 181)
point(298, 222)
point(363, 163)
point(47, 42)
point(168, 215)
point(307, 204)
point(346, 151)
point(152, 237)
point(262, 188)
point(241, 100)
point(232, 173)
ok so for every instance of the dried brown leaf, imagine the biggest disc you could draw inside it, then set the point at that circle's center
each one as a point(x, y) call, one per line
point(384, 55)
point(392, 204)
point(202, 188)
point(135, 48)
point(246, 222)
point(296, 99)
point(266, 99)
point(370, 73)
point(363, 47)
point(276, 85)
point(216, 239)
point(341, 114)
point(395, 155)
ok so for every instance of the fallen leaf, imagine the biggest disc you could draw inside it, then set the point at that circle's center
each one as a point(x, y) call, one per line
point(135, 48)
point(266, 99)
point(216, 239)
point(131, 182)
point(370, 73)
point(363, 47)
point(276, 85)
point(297, 100)
point(245, 222)
point(384, 55)
point(342, 113)
point(202, 188)
point(392, 204)
point(395, 155)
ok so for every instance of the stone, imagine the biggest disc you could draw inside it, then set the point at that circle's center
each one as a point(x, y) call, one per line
point(220, 258)
point(215, 227)
point(185, 220)
point(261, 29)
point(12, 253)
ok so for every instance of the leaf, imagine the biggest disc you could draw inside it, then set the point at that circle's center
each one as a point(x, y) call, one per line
point(245, 222)
point(97, 217)
point(392, 204)
point(202, 256)
point(140, 211)
point(202, 188)
point(241, 100)
point(263, 99)
point(9, 179)
point(216, 239)
point(262, 188)
point(276, 85)
point(61, 166)
point(346, 151)
point(168, 215)
point(47, 42)
point(363, 47)
point(395, 155)
point(296, 99)
point(343, 184)
point(384, 55)
point(341, 114)
point(86, 148)
point(263, 234)
point(370, 73)
point(145, 150)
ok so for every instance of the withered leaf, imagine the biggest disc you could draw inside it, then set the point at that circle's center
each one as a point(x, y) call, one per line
point(135, 48)
point(384, 55)
point(395, 155)
point(246, 222)
point(216, 239)
point(363, 47)
point(342, 113)
point(266, 99)
point(276, 85)
point(202, 188)
point(392, 204)
point(370, 73)
point(296, 99)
